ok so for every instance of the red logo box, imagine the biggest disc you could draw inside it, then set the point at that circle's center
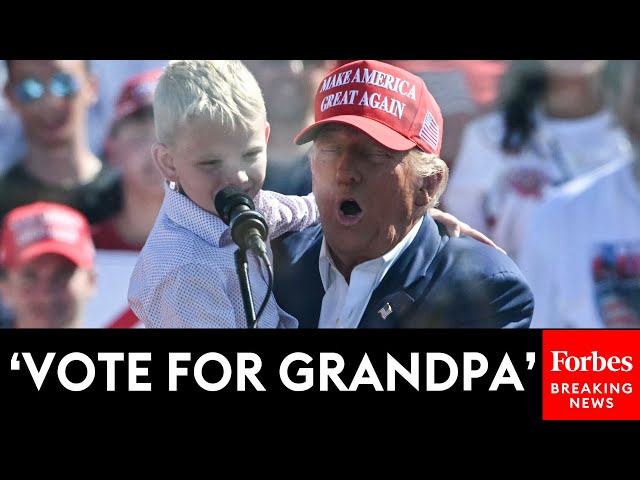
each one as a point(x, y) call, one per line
point(591, 375)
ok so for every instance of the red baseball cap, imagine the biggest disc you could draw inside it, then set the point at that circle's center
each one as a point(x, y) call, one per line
point(38, 228)
point(384, 101)
point(137, 93)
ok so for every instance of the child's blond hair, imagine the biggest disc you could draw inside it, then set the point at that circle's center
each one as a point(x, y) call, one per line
point(223, 91)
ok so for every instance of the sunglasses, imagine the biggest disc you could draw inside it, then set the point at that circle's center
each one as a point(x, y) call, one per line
point(61, 85)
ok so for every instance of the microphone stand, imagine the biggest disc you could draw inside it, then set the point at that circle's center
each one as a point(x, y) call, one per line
point(242, 268)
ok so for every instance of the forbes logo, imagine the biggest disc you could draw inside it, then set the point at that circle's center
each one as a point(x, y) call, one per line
point(589, 363)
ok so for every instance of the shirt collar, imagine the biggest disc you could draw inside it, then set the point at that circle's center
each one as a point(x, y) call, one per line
point(184, 212)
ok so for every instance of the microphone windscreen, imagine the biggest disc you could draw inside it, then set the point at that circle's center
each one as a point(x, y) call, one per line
point(229, 198)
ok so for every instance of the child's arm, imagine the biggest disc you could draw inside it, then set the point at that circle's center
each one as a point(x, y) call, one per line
point(285, 213)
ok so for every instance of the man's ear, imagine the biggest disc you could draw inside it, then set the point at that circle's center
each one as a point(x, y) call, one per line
point(427, 189)
point(164, 161)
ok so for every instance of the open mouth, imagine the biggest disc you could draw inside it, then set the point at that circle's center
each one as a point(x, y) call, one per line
point(349, 212)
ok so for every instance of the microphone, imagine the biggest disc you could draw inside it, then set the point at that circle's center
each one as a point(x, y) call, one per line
point(248, 227)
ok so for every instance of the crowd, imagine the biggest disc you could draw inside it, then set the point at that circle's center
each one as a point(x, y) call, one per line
point(376, 179)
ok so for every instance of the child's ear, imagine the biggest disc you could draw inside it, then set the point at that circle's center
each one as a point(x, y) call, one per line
point(164, 161)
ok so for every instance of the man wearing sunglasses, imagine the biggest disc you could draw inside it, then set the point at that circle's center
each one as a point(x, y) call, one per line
point(52, 99)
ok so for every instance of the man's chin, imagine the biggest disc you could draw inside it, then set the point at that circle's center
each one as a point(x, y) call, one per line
point(340, 234)
point(347, 243)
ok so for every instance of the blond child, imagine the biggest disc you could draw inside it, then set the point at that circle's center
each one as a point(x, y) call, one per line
point(212, 132)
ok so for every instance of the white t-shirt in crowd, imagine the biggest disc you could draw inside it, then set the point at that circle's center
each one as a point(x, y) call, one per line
point(581, 253)
point(494, 191)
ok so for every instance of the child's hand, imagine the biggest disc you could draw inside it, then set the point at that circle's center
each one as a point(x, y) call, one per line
point(455, 227)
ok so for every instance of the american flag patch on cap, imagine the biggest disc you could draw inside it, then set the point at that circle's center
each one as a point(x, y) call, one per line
point(430, 132)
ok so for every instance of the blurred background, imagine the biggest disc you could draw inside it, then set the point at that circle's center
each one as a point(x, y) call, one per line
point(516, 132)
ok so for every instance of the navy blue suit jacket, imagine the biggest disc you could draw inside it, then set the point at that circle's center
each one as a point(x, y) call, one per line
point(437, 282)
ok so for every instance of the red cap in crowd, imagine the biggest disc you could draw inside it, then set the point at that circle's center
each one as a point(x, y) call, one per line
point(387, 103)
point(39, 228)
point(137, 93)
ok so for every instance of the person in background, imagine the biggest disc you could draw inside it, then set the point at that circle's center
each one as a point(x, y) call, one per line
point(581, 248)
point(120, 238)
point(110, 75)
point(556, 123)
point(128, 150)
point(52, 99)
point(288, 87)
point(48, 258)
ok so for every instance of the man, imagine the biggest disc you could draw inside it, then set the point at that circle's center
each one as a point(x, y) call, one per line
point(48, 257)
point(110, 74)
point(378, 260)
point(52, 98)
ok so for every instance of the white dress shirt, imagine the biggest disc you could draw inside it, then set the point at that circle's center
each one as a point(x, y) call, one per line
point(186, 275)
point(344, 303)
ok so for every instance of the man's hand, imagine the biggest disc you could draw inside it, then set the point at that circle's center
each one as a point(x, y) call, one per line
point(455, 227)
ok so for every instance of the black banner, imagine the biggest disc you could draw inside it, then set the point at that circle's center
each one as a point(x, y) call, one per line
point(415, 378)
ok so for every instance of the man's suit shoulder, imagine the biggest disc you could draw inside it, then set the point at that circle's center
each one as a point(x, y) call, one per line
point(470, 256)
point(477, 285)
